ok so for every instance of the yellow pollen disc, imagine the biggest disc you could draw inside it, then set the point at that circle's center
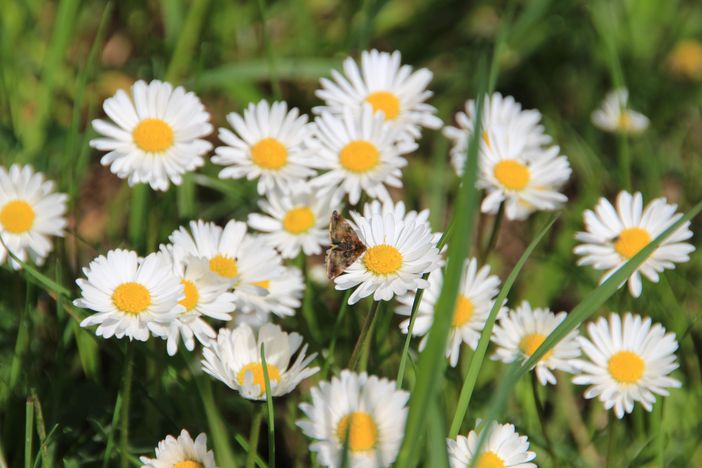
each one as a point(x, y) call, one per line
point(531, 343)
point(362, 434)
point(265, 284)
point(269, 153)
point(512, 174)
point(386, 102)
point(188, 464)
point(624, 122)
point(382, 259)
point(298, 220)
point(359, 156)
point(153, 135)
point(224, 266)
point(17, 217)
point(257, 369)
point(626, 367)
point(131, 298)
point(463, 312)
point(489, 460)
point(686, 59)
point(630, 241)
point(192, 295)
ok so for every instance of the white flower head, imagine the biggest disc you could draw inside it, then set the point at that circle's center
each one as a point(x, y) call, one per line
point(182, 452)
point(503, 447)
point(615, 115)
point(614, 235)
point(279, 295)
point(628, 361)
point(155, 136)
point(476, 297)
point(268, 146)
point(392, 89)
point(235, 359)
point(521, 331)
point(359, 153)
point(366, 413)
point(30, 213)
point(130, 295)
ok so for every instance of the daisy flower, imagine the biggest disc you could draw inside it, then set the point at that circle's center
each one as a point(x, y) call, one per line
point(182, 452)
point(235, 359)
point(366, 412)
point(281, 296)
point(30, 213)
point(267, 145)
point(503, 447)
point(359, 153)
point(397, 254)
point(130, 295)
point(615, 115)
point(392, 89)
point(626, 362)
point(397, 210)
point(298, 220)
point(155, 136)
point(519, 333)
point(476, 297)
point(614, 235)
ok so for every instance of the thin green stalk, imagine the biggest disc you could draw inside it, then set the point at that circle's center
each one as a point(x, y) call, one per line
point(137, 216)
point(188, 39)
point(126, 397)
point(492, 241)
point(363, 335)
point(269, 405)
point(337, 326)
point(111, 435)
point(611, 439)
point(624, 160)
point(307, 308)
point(22, 336)
point(241, 440)
point(659, 438)
point(365, 348)
point(542, 417)
point(253, 436)
point(41, 431)
point(28, 432)
point(218, 430)
point(275, 80)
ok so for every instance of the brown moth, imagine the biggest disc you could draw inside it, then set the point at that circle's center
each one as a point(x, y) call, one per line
point(345, 247)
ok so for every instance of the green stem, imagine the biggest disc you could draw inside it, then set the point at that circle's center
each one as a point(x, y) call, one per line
point(188, 39)
point(365, 348)
point(111, 436)
point(253, 437)
point(363, 335)
point(658, 432)
point(494, 233)
point(126, 396)
point(275, 80)
point(624, 161)
point(307, 308)
point(542, 417)
point(337, 326)
point(611, 438)
point(41, 431)
point(137, 216)
point(28, 432)
point(269, 406)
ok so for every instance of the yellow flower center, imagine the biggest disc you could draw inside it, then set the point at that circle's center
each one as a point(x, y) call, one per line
point(531, 343)
point(224, 266)
point(131, 298)
point(512, 174)
point(463, 312)
point(359, 156)
point(489, 460)
point(386, 102)
point(153, 135)
point(269, 153)
point(192, 295)
point(686, 58)
point(382, 259)
point(626, 367)
point(256, 368)
point(361, 429)
point(265, 284)
point(188, 464)
point(298, 220)
point(624, 122)
point(17, 216)
point(631, 240)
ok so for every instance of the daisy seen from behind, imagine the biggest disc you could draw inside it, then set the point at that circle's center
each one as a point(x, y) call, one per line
point(628, 361)
point(477, 292)
point(391, 89)
point(131, 296)
point(614, 234)
point(183, 452)
point(615, 115)
point(235, 359)
point(155, 135)
point(31, 212)
point(521, 331)
point(268, 145)
point(280, 295)
point(366, 412)
point(503, 448)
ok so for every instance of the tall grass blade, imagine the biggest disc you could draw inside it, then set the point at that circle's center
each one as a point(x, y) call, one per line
point(28, 432)
point(271, 415)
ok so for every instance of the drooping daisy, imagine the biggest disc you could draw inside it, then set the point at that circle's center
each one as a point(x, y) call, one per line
point(398, 254)
point(613, 236)
point(298, 220)
point(281, 296)
point(498, 112)
point(268, 146)
point(366, 413)
point(155, 136)
point(478, 290)
point(359, 153)
point(130, 295)
point(390, 88)
point(519, 333)
point(30, 213)
point(503, 448)
point(615, 115)
point(182, 452)
point(626, 362)
point(235, 359)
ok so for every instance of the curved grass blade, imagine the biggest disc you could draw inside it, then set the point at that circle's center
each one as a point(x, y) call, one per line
point(36, 276)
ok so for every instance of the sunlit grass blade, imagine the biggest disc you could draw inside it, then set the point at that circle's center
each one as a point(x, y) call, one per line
point(28, 432)
point(138, 213)
point(271, 415)
point(41, 431)
point(241, 440)
point(436, 441)
point(35, 276)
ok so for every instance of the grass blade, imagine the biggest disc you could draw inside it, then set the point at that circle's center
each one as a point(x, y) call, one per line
point(269, 404)
point(28, 432)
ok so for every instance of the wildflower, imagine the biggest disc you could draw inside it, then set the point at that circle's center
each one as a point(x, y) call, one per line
point(615, 115)
point(503, 447)
point(182, 452)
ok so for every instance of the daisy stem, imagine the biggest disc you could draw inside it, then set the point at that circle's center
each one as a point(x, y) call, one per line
point(611, 438)
point(253, 437)
point(492, 241)
point(365, 348)
point(275, 80)
point(542, 417)
point(624, 161)
point(337, 326)
point(126, 395)
point(657, 419)
point(365, 327)
point(138, 213)
point(269, 406)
